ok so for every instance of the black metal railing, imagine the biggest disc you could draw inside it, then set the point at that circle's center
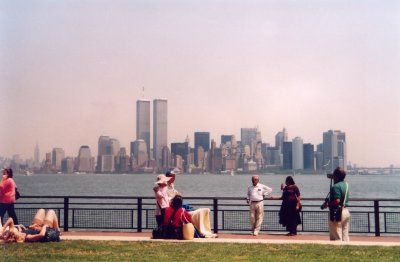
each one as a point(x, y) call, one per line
point(228, 214)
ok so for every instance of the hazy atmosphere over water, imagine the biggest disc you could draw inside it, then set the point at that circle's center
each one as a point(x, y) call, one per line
point(71, 71)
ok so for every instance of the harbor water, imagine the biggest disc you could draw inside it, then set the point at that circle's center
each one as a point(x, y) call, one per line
point(311, 186)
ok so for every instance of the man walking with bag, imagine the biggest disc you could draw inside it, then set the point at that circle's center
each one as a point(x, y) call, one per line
point(255, 196)
point(339, 213)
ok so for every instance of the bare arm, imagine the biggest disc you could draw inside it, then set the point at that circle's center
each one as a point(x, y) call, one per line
point(9, 223)
point(36, 237)
point(276, 197)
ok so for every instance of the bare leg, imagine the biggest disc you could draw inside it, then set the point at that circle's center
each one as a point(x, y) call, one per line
point(39, 217)
point(51, 219)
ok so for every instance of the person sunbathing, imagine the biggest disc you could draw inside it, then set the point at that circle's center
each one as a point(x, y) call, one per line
point(44, 228)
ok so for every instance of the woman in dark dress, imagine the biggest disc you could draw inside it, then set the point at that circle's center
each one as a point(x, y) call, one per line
point(289, 214)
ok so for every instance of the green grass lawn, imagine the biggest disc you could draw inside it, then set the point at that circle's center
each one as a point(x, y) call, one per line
point(181, 251)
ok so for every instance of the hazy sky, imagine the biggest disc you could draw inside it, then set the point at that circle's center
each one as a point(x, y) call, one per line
point(72, 70)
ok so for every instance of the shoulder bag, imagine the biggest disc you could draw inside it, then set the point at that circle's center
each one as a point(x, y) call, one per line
point(17, 194)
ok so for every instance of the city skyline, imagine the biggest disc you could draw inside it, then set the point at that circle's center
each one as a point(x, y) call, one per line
point(72, 71)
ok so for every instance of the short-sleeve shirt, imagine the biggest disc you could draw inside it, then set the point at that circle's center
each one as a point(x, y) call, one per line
point(7, 191)
point(258, 192)
point(338, 191)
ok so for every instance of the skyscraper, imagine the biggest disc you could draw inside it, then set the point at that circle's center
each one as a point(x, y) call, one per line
point(36, 156)
point(297, 154)
point(160, 128)
point(57, 156)
point(108, 150)
point(143, 122)
point(334, 150)
point(308, 152)
point(287, 161)
point(85, 162)
point(280, 137)
point(201, 139)
point(250, 137)
point(247, 135)
point(139, 152)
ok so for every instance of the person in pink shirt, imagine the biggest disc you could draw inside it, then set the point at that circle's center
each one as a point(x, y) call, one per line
point(7, 195)
point(162, 199)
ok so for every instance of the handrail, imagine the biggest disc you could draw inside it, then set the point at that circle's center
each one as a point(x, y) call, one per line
point(208, 198)
point(227, 213)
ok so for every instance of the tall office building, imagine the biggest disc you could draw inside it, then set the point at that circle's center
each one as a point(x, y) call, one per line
point(247, 135)
point(85, 161)
point(201, 139)
point(297, 154)
point(139, 153)
point(143, 122)
point(57, 156)
point(67, 165)
point(181, 149)
point(334, 150)
point(160, 128)
point(166, 158)
point(108, 149)
point(280, 137)
point(36, 157)
point(287, 160)
point(226, 138)
point(250, 137)
point(308, 152)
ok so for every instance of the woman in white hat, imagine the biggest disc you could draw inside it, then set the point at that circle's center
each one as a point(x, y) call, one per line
point(162, 199)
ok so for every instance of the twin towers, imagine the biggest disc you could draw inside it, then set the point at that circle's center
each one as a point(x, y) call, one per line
point(160, 126)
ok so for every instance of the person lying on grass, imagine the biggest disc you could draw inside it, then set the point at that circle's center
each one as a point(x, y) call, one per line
point(44, 228)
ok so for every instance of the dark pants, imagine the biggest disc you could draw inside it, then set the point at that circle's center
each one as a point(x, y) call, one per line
point(10, 210)
point(292, 229)
point(160, 218)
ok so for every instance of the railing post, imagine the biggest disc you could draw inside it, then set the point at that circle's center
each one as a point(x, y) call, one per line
point(139, 215)
point(377, 222)
point(215, 215)
point(66, 213)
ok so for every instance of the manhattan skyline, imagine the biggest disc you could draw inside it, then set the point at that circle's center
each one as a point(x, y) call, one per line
point(72, 71)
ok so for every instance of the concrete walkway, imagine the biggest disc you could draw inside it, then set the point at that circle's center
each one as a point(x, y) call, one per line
point(239, 238)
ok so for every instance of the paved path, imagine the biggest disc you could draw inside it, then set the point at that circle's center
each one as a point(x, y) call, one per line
point(239, 238)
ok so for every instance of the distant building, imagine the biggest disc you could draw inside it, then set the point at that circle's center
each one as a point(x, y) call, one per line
point(250, 137)
point(297, 154)
point(273, 157)
point(122, 163)
point(160, 128)
point(201, 139)
point(108, 149)
point(57, 156)
point(287, 156)
point(281, 137)
point(143, 122)
point(308, 152)
point(36, 157)
point(226, 138)
point(166, 158)
point(334, 150)
point(181, 149)
point(139, 153)
point(67, 165)
point(85, 161)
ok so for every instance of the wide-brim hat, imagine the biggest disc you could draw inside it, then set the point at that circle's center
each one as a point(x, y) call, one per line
point(162, 179)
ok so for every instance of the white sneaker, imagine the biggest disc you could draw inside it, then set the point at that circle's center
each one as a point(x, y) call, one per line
point(255, 233)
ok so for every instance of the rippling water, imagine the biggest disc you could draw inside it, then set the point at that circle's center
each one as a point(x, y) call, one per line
point(315, 186)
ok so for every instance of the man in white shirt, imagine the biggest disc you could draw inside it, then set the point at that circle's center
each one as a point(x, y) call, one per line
point(255, 196)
